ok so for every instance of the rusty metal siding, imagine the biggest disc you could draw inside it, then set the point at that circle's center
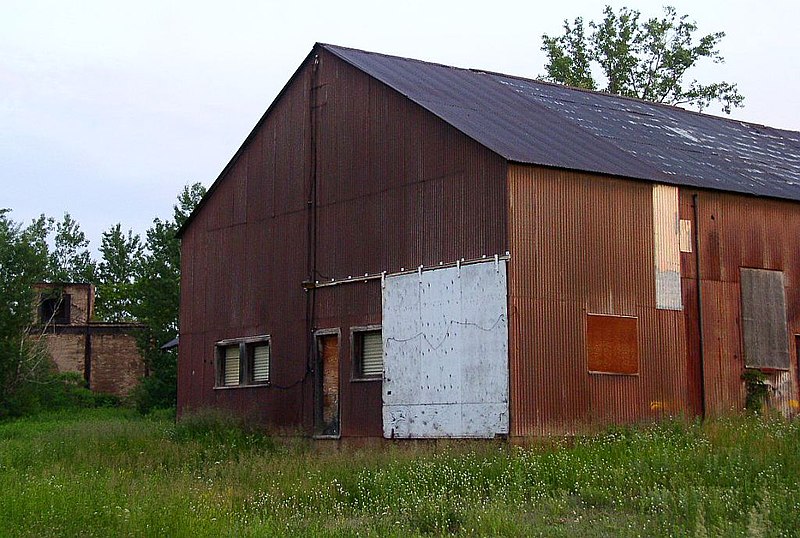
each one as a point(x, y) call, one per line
point(612, 344)
point(342, 307)
point(396, 187)
point(583, 244)
point(735, 232)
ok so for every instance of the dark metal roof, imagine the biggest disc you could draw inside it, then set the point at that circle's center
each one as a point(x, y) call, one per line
point(529, 121)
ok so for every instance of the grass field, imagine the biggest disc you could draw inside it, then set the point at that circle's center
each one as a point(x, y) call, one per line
point(111, 473)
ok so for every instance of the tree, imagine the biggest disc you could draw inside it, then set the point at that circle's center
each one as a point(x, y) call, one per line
point(117, 273)
point(648, 60)
point(23, 262)
point(70, 260)
point(157, 300)
point(188, 199)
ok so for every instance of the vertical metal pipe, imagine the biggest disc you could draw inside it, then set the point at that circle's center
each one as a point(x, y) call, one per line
point(701, 334)
point(312, 238)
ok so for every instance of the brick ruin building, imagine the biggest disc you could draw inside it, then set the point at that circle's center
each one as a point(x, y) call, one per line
point(105, 354)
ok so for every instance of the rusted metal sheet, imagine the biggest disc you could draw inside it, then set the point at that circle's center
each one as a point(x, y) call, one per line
point(694, 373)
point(612, 344)
point(735, 233)
point(582, 244)
point(395, 188)
point(723, 362)
point(345, 176)
point(445, 336)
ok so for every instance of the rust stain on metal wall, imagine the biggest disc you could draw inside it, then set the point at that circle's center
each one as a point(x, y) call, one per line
point(582, 244)
point(736, 232)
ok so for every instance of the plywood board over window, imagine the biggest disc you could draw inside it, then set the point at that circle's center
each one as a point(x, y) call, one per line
point(612, 345)
point(764, 329)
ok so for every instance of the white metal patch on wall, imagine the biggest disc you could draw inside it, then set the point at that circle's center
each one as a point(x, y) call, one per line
point(445, 342)
point(666, 245)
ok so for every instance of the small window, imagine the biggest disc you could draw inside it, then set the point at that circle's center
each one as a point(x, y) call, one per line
point(231, 368)
point(368, 354)
point(243, 361)
point(612, 344)
point(55, 309)
point(259, 357)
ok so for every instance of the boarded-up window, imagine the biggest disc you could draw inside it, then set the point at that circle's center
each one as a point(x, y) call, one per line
point(612, 344)
point(766, 336)
point(230, 374)
point(368, 351)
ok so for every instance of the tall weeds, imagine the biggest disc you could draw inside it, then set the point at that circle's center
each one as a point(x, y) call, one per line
point(108, 472)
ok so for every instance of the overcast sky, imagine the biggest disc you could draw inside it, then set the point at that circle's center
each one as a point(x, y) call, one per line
point(108, 108)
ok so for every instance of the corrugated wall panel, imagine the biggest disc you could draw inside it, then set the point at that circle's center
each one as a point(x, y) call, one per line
point(396, 187)
point(735, 232)
point(582, 244)
point(664, 369)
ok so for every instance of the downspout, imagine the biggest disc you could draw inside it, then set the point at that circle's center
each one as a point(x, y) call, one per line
point(311, 289)
point(698, 280)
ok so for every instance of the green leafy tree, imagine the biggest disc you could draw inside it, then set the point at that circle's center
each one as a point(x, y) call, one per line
point(117, 273)
point(645, 59)
point(70, 259)
point(23, 262)
point(158, 297)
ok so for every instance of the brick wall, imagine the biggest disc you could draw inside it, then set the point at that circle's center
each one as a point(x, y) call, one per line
point(117, 365)
point(81, 302)
point(67, 350)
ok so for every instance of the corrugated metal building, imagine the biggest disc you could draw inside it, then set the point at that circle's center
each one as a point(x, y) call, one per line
point(405, 249)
